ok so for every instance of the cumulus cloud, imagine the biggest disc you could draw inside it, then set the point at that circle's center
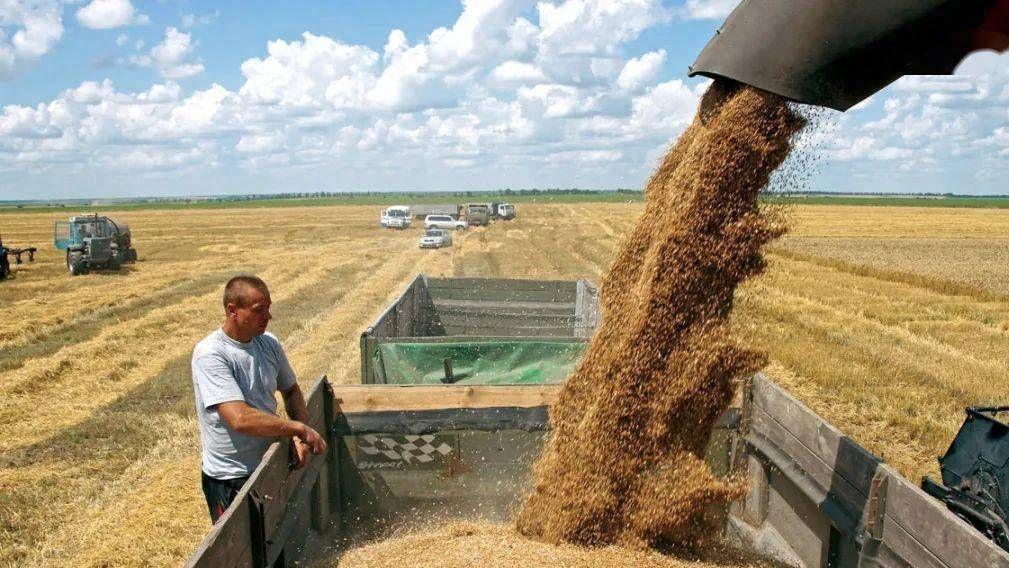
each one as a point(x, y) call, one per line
point(707, 9)
point(174, 58)
point(495, 88)
point(38, 27)
point(311, 73)
point(937, 131)
point(596, 26)
point(517, 72)
point(640, 71)
point(109, 14)
point(511, 88)
point(866, 147)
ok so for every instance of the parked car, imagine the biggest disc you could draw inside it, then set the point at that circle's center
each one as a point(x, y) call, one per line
point(446, 222)
point(436, 238)
point(506, 211)
point(396, 217)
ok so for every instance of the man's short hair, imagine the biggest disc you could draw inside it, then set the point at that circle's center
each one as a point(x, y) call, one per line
point(234, 290)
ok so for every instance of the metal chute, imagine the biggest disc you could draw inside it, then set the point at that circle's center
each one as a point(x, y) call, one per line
point(836, 53)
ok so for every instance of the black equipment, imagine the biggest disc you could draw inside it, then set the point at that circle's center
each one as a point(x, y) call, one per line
point(975, 474)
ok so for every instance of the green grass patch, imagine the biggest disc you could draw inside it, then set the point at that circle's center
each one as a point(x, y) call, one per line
point(910, 201)
point(415, 198)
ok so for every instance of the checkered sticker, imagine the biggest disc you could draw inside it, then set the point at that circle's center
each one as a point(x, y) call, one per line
point(381, 451)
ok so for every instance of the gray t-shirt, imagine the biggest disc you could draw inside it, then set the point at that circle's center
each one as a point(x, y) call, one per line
point(227, 370)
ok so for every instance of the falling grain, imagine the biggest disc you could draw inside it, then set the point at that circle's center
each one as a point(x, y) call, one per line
point(624, 464)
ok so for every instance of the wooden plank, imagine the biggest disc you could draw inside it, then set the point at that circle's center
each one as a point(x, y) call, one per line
point(482, 338)
point(509, 318)
point(507, 321)
point(229, 542)
point(383, 325)
point(435, 283)
point(808, 471)
point(846, 458)
point(237, 518)
point(928, 522)
point(280, 530)
point(528, 295)
point(316, 405)
point(333, 460)
point(587, 310)
point(320, 498)
point(527, 332)
point(363, 398)
point(907, 549)
point(272, 483)
point(446, 307)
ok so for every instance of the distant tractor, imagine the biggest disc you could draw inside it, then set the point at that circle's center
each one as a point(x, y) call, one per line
point(93, 241)
point(17, 253)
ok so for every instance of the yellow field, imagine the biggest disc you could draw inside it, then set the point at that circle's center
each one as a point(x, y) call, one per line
point(887, 321)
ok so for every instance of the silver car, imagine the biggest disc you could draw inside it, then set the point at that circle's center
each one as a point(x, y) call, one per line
point(446, 222)
point(436, 238)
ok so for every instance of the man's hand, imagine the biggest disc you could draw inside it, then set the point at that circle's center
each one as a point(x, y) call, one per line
point(302, 453)
point(312, 438)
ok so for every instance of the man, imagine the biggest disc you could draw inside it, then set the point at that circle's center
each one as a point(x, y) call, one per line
point(236, 371)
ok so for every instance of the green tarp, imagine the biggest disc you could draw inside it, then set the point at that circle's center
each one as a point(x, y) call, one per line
point(498, 362)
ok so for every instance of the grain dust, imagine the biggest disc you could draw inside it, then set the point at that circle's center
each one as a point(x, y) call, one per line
point(625, 461)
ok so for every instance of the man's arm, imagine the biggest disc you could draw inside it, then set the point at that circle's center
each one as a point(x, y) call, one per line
point(245, 419)
point(294, 404)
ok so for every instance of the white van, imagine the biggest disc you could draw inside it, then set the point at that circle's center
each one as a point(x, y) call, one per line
point(396, 217)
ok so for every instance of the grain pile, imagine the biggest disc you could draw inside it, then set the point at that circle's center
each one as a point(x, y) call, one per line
point(624, 464)
point(483, 545)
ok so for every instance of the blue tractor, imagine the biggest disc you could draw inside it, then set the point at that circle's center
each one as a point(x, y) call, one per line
point(93, 241)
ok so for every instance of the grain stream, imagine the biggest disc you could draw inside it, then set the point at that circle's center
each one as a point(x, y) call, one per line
point(624, 464)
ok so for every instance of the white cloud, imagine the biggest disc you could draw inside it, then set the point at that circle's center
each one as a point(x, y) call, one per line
point(39, 26)
point(708, 9)
point(310, 73)
point(596, 26)
point(641, 71)
point(556, 101)
point(109, 14)
point(193, 20)
point(866, 147)
point(122, 40)
point(668, 107)
point(174, 57)
point(585, 156)
point(517, 72)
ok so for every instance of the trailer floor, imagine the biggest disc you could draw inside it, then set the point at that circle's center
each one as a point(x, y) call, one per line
point(463, 544)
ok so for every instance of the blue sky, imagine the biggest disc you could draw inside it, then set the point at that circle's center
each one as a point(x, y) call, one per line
point(106, 98)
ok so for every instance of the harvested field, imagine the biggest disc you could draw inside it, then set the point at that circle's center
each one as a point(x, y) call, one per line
point(857, 310)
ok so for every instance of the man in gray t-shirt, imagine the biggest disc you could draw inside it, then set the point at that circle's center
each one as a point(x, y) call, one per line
point(236, 371)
